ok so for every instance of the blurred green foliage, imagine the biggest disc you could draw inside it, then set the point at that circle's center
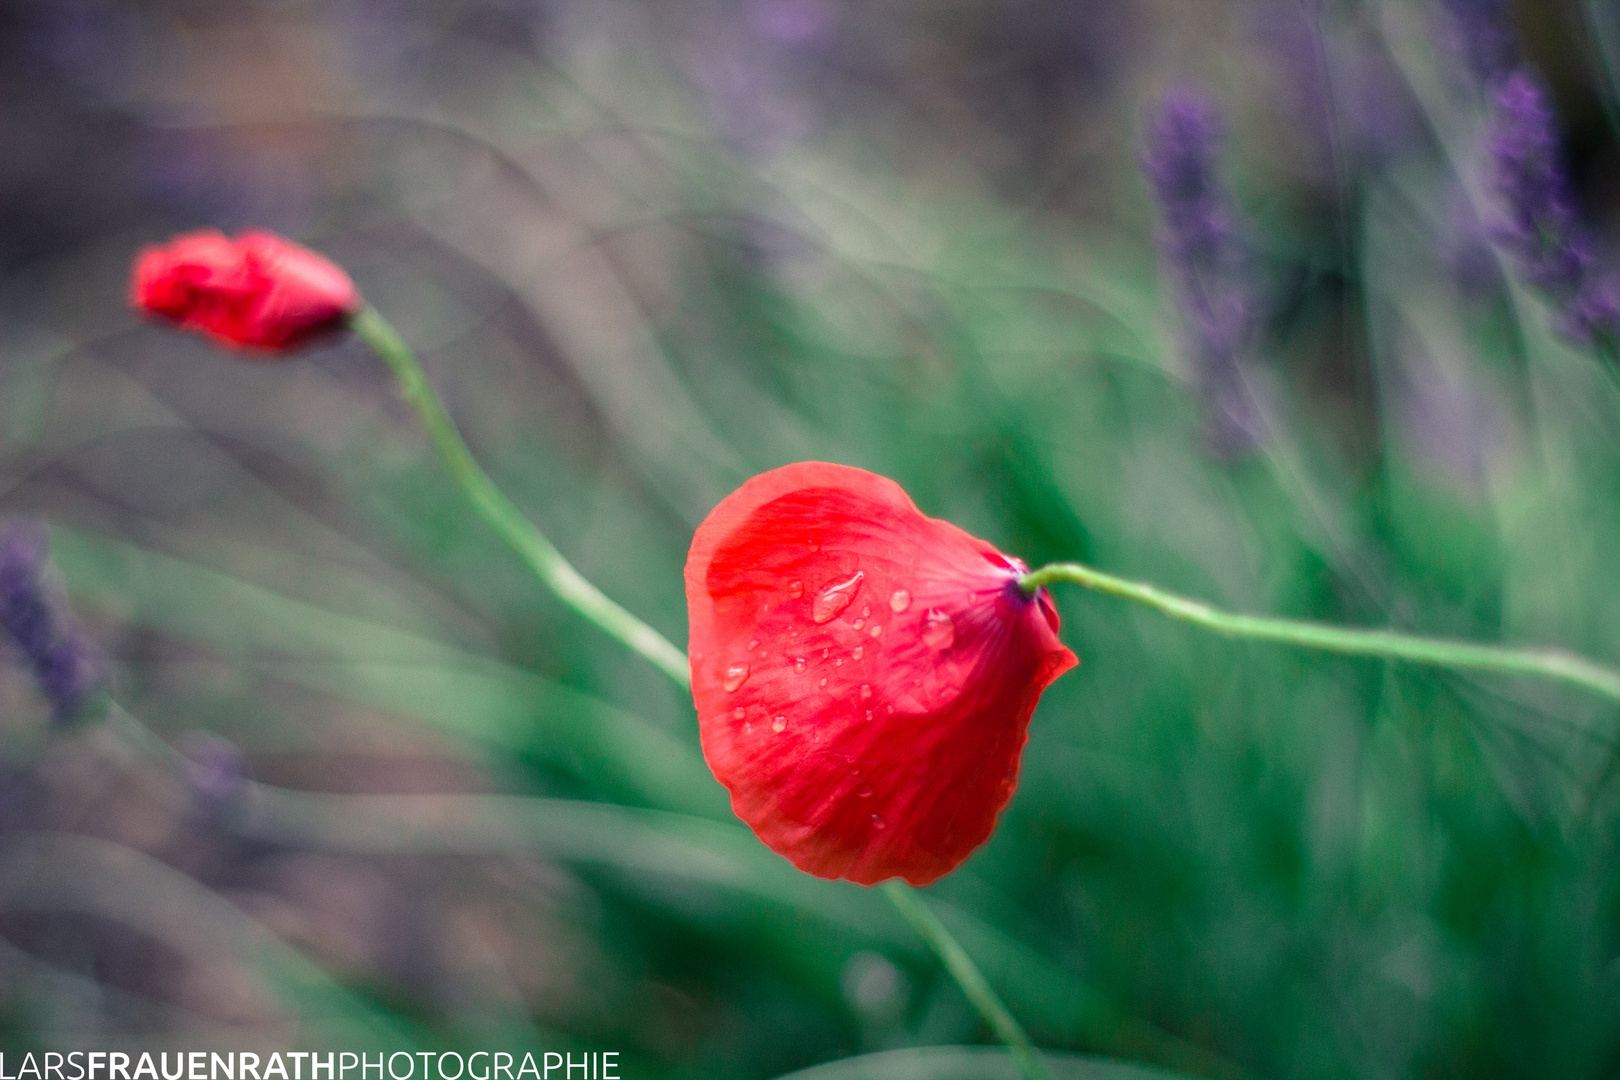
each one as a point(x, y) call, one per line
point(638, 277)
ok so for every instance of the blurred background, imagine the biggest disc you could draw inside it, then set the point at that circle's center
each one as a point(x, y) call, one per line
point(404, 798)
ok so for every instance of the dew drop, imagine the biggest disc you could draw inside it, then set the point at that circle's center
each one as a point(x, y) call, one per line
point(779, 725)
point(754, 644)
point(795, 589)
point(859, 623)
point(747, 728)
point(890, 710)
point(838, 662)
point(823, 682)
point(865, 611)
point(835, 598)
point(899, 600)
point(877, 631)
point(824, 653)
point(878, 822)
point(739, 712)
point(798, 667)
point(866, 692)
point(869, 714)
point(938, 630)
point(736, 675)
point(814, 546)
point(864, 791)
point(858, 653)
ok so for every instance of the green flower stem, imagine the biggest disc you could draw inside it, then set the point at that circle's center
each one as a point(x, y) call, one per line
point(1539, 663)
point(496, 509)
point(968, 977)
point(549, 565)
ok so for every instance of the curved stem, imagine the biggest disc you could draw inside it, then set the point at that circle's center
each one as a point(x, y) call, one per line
point(505, 518)
point(1539, 663)
point(968, 977)
point(549, 565)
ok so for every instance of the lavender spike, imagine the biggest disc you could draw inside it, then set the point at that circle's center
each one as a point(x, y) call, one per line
point(66, 666)
point(1197, 239)
point(1538, 225)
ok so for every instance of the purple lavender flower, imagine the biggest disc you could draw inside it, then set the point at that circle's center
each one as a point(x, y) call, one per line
point(66, 667)
point(1537, 223)
point(1197, 239)
point(1537, 226)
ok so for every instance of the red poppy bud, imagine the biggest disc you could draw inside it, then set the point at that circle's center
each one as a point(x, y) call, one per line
point(864, 675)
point(255, 292)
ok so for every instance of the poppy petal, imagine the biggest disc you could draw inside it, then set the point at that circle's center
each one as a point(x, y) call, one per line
point(256, 292)
point(864, 675)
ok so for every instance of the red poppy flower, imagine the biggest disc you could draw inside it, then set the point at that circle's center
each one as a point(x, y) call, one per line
point(256, 292)
point(864, 675)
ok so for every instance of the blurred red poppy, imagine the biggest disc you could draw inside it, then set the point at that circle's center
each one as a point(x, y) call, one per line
point(255, 292)
point(864, 675)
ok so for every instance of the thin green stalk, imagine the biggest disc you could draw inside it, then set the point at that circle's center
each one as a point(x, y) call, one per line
point(968, 977)
point(496, 509)
point(549, 565)
point(1538, 663)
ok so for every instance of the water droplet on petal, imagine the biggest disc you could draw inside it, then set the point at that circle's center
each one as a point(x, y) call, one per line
point(858, 653)
point(890, 710)
point(779, 725)
point(938, 630)
point(869, 714)
point(838, 662)
point(798, 667)
point(877, 631)
point(866, 691)
point(878, 822)
point(824, 653)
point(795, 589)
point(814, 546)
point(867, 610)
point(754, 644)
point(899, 600)
point(864, 791)
point(736, 675)
point(859, 623)
point(835, 598)
point(739, 712)
point(747, 728)
point(823, 682)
